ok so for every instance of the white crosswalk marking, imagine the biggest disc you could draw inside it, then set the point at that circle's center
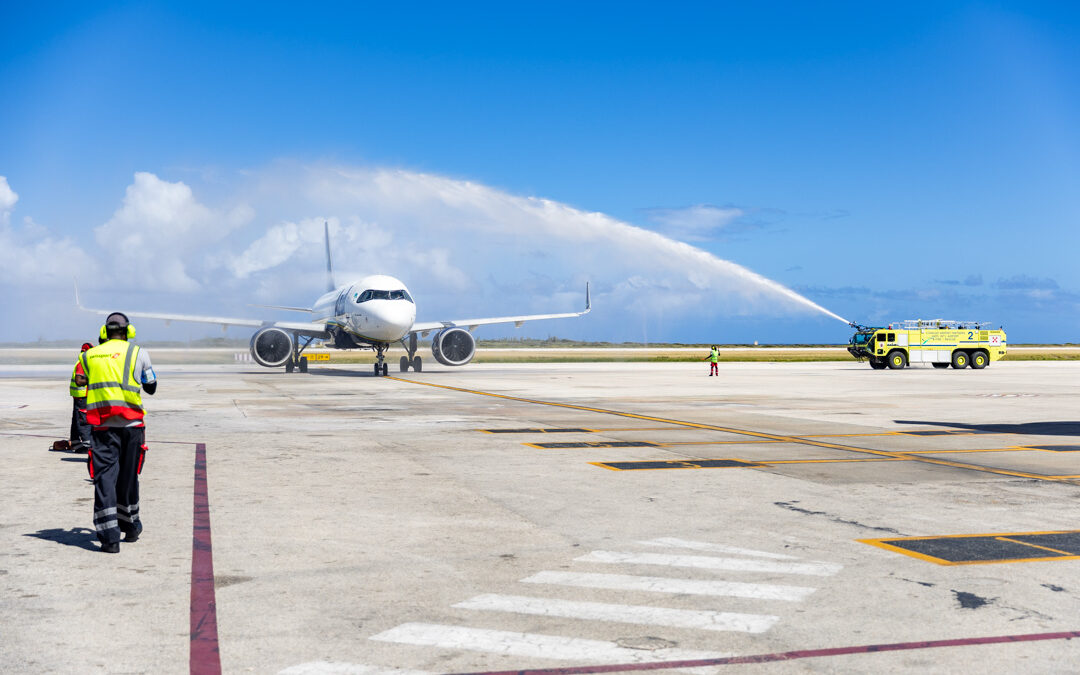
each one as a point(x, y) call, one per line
point(672, 542)
point(328, 668)
point(627, 582)
point(708, 562)
point(532, 645)
point(598, 611)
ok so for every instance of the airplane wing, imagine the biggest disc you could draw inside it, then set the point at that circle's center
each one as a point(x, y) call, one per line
point(306, 328)
point(426, 327)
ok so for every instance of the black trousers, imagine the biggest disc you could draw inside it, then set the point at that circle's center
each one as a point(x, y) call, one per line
point(116, 481)
point(80, 428)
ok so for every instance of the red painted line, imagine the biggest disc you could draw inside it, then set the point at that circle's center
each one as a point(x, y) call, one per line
point(788, 656)
point(204, 655)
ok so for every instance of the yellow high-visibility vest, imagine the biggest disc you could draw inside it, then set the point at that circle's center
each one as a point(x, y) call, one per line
point(714, 355)
point(112, 388)
point(75, 390)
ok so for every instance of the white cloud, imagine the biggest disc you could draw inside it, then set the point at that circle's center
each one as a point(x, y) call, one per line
point(160, 231)
point(8, 197)
point(699, 222)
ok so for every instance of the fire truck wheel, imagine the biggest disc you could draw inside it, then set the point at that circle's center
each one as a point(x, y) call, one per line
point(979, 360)
point(897, 360)
point(959, 360)
point(877, 364)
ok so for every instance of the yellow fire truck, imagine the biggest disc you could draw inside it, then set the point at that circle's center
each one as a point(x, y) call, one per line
point(936, 341)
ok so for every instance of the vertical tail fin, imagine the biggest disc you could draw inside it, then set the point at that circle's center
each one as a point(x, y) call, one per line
point(330, 285)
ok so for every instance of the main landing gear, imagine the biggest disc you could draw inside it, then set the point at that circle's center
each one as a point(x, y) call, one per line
point(297, 362)
point(412, 360)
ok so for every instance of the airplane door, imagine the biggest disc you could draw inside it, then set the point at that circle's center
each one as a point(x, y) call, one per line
point(339, 306)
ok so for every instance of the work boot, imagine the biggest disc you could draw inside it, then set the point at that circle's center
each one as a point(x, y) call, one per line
point(110, 548)
point(131, 537)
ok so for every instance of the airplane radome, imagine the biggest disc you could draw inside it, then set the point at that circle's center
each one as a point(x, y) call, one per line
point(371, 313)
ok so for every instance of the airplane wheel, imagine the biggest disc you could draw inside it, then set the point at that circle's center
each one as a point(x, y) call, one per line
point(303, 364)
point(404, 364)
point(289, 367)
point(417, 364)
point(385, 369)
point(376, 370)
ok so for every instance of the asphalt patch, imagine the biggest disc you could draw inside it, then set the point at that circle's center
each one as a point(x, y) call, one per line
point(595, 444)
point(680, 464)
point(987, 548)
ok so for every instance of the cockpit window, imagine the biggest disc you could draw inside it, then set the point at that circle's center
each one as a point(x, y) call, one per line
point(372, 294)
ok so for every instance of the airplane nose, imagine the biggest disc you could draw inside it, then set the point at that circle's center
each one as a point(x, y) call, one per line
point(396, 317)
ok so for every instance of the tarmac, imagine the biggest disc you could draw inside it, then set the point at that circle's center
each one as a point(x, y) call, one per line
point(557, 518)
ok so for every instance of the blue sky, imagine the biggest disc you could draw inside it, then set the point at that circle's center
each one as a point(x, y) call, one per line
point(888, 162)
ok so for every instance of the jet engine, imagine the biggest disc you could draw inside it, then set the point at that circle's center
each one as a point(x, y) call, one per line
point(271, 347)
point(453, 346)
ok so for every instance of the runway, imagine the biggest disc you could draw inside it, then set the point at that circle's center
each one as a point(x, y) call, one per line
point(814, 517)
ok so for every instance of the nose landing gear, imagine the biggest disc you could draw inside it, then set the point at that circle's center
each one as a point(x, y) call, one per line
point(381, 368)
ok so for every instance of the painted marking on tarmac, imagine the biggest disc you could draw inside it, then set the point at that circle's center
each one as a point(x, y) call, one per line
point(820, 569)
point(674, 542)
point(539, 430)
point(790, 656)
point(650, 584)
point(1053, 448)
point(558, 445)
point(634, 614)
point(332, 668)
point(983, 549)
point(204, 655)
point(757, 434)
point(659, 464)
point(530, 645)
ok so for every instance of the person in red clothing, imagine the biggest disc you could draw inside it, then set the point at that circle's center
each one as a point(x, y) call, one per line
point(79, 436)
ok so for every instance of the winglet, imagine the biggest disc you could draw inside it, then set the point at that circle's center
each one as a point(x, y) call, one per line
point(588, 299)
point(329, 263)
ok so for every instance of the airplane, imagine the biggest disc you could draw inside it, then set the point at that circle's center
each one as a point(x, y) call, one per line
point(371, 313)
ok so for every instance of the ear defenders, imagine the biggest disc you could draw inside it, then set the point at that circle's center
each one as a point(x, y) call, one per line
point(116, 321)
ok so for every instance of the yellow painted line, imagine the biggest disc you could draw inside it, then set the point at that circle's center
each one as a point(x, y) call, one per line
point(744, 432)
point(715, 442)
point(944, 452)
point(1024, 543)
point(830, 461)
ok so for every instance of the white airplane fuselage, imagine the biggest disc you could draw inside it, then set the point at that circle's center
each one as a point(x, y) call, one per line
point(377, 308)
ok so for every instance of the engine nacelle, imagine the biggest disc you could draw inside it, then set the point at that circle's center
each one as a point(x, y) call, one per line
point(271, 347)
point(453, 346)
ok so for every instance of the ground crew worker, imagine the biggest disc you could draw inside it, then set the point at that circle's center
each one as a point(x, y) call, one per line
point(79, 436)
point(115, 371)
point(714, 359)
